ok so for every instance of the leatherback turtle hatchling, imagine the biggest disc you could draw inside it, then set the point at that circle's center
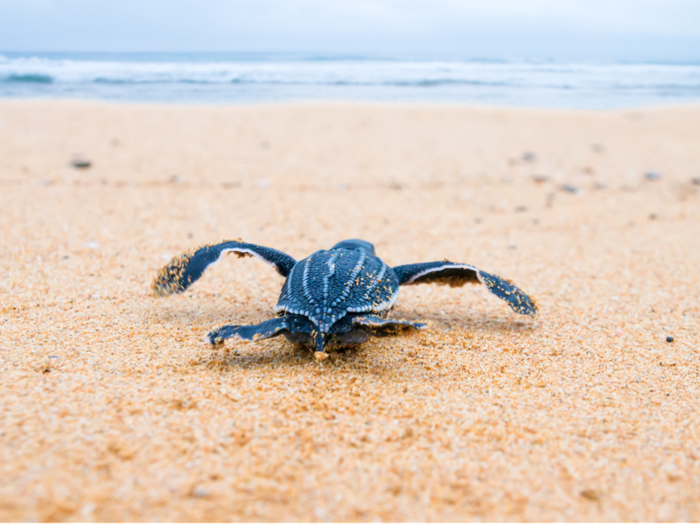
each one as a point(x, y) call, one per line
point(333, 298)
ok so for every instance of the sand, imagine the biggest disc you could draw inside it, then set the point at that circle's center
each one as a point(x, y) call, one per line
point(113, 408)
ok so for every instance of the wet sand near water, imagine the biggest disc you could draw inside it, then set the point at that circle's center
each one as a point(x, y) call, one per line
point(114, 409)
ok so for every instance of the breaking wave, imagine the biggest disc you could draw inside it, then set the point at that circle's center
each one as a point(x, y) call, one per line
point(201, 77)
point(29, 77)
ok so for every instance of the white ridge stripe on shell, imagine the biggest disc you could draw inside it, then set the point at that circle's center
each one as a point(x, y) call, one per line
point(305, 280)
point(289, 281)
point(327, 277)
point(446, 266)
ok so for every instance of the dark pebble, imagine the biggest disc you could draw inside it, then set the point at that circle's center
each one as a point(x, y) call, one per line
point(669, 339)
point(590, 494)
point(653, 175)
point(696, 181)
point(568, 188)
point(81, 163)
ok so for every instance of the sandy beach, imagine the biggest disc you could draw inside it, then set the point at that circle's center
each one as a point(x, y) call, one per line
point(112, 407)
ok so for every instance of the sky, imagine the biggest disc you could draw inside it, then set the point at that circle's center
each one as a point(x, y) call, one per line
point(664, 30)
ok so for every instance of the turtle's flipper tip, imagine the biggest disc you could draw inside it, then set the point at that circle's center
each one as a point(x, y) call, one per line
point(518, 300)
point(535, 308)
point(172, 278)
point(526, 306)
point(158, 290)
point(164, 284)
point(522, 304)
point(214, 338)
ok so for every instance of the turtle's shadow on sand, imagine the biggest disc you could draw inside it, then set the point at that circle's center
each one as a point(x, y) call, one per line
point(211, 315)
point(207, 315)
point(441, 323)
point(281, 354)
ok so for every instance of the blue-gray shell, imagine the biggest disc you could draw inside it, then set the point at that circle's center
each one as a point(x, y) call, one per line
point(329, 284)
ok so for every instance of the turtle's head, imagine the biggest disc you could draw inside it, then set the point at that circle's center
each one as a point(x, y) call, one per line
point(356, 244)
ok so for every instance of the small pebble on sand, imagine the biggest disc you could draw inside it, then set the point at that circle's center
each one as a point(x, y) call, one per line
point(590, 494)
point(80, 163)
point(529, 156)
point(200, 492)
point(653, 175)
point(696, 181)
point(568, 188)
point(669, 339)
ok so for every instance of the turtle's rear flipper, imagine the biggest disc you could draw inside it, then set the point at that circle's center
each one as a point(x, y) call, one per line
point(383, 327)
point(458, 274)
point(254, 332)
point(183, 270)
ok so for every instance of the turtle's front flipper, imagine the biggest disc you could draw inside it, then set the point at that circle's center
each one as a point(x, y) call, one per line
point(382, 327)
point(254, 332)
point(185, 269)
point(458, 274)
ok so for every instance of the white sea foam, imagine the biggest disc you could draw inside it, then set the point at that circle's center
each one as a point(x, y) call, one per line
point(198, 80)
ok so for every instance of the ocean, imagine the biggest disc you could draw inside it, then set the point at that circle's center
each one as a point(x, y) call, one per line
point(244, 78)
